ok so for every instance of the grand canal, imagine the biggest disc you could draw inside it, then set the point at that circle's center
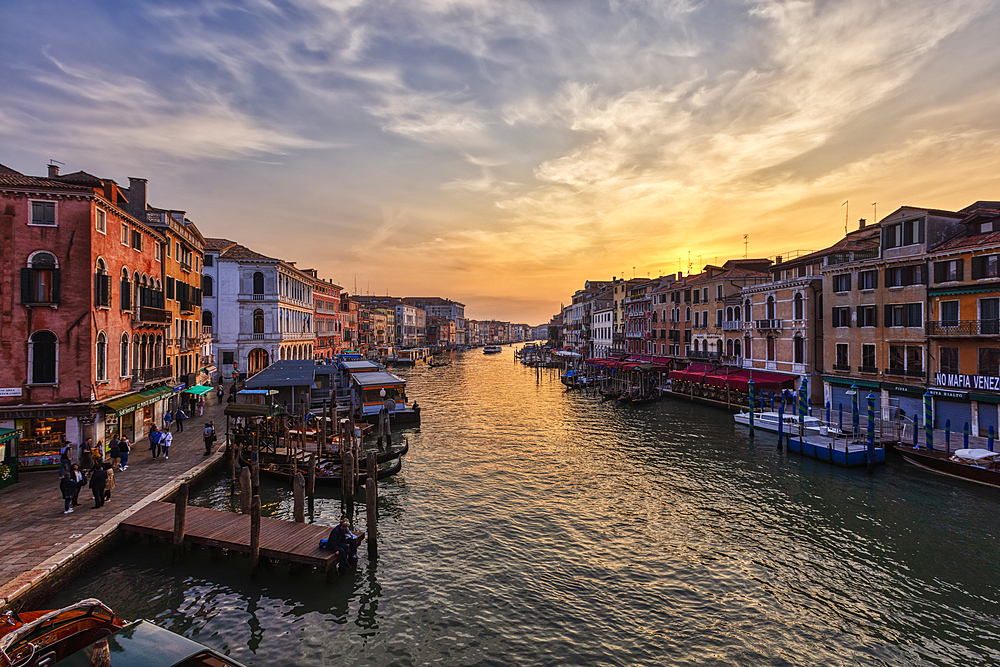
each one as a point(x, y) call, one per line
point(536, 526)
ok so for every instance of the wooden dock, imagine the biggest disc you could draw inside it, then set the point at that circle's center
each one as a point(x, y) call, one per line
point(839, 452)
point(280, 540)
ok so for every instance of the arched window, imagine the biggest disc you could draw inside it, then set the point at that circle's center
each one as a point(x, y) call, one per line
point(718, 347)
point(126, 291)
point(798, 350)
point(102, 356)
point(747, 311)
point(769, 308)
point(737, 348)
point(43, 358)
point(102, 285)
point(770, 348)
point(207, 286)
point(729, 348)
point(687, 314)
point(654, 317)
point(258, 321)
point(258, 283)
point(798, 310)
point(206, 321)
point(124, 356)
point(40, 281)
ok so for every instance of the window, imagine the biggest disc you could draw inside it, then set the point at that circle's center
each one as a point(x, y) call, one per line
point(867, 316)
point(125, 236)
point(989, 316)
point(209, 260)
point(906, 359)
point(157, 251)
point(704, 318)
point(798, 350)
point(126, 291)
point(43, 213)
point(797, 306)
point(900, 276)
point(137, 240)
point(948, 270)
point(842, 282)
point(747, 311)
point(40, 280)
point(841, 316)
point(227, 358)
point(948, 357)
point(903, 233)
point(984, 266)
point(697, 296)
point(42, 358)
point(843, 361)
point(868, 357)
point(769, 308)
point(704, 295)
point(102, 357)
point(206, 286)
point(123, 358)
point(102, 285)
point(258, 283)
point(868, 279)
point(949, 313)
point(718, 318)
point(718, 292)
point(989, 361)
point(102, 221)
point(170, 287)
point(258, 321)
point(904, 315)
point(687, 314)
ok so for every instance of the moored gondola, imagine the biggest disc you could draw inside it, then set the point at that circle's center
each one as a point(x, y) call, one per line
point(327, 476)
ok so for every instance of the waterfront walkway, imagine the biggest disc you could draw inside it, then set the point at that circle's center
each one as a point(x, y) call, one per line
point(37, 538)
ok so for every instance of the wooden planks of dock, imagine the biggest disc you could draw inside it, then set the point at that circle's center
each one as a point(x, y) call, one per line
point(280, 540)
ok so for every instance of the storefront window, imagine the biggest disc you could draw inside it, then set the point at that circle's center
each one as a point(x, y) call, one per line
point(40, 435)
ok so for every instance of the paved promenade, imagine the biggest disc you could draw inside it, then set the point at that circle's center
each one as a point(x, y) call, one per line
point(37, 538)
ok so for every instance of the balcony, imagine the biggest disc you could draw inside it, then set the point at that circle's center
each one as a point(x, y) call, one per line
point(870, 370)
point(732, 326)
point(150, 374)
point(842, 368)
point(856, 256)
point(960, 328)
point(150, 315)
point(767, 325)
point(187, 307)
point(701, 354)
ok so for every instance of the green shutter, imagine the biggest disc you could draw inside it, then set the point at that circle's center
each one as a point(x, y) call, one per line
point(27, 294)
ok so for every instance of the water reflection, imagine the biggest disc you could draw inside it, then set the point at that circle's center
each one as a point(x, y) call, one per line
point(531, 525)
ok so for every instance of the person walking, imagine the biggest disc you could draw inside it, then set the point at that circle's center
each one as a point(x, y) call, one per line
point(155, 435)
point(165, 441)
point(110, 484)
point(98, 480)
point(168, 417)
point(221, 393)
point(124, 447)
point(201, 407)
point(67, 487)
point(115, 452)
point(85, 448)
point(179, 420)
point(209, 437)
point(65, 462)
point(80, 480)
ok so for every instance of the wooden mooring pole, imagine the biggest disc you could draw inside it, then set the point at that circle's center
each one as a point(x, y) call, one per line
point(255, 466)
point(311, 481)
point(246, 491)
point(299, 498)
point(371, 503)
point(231, 451)
point(180, 512)
point(254, 535)
point(347, 475)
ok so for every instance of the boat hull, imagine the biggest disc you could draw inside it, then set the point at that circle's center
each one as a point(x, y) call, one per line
point(940, 462)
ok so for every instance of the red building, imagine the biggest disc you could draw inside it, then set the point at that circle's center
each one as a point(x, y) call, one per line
point(87, 314)
point(326, 316)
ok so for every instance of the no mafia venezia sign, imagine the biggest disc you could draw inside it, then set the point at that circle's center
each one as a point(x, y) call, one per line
point(981, 382)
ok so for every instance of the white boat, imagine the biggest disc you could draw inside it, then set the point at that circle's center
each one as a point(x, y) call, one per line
point(492, 349)
point(768, 421)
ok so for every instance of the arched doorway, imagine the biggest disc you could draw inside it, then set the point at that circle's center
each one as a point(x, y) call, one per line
point(257, 360)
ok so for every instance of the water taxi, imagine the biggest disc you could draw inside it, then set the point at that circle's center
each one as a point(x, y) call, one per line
point(976, 465)
point(409, 357)
point(768, 421)
point(492, 349)
point(371, 392)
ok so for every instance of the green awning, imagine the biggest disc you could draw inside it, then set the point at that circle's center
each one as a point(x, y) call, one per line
point(984, 398)
point(122, 406)
point(198, 390)
point(9, 434)
point(847, 382)
point(972, 289)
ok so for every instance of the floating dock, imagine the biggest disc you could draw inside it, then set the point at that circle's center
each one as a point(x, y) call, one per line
point(839, 452)
point(279, 540)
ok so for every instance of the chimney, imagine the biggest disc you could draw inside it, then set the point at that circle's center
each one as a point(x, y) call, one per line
point(861, 223)
point(137, 198)
point(680, 275)
point(53, 171)
point(777, 260)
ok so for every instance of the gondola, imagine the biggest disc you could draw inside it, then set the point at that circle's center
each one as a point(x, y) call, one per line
point(436, 364)
point(327, 476)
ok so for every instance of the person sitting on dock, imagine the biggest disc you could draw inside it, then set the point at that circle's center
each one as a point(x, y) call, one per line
point(343, 541)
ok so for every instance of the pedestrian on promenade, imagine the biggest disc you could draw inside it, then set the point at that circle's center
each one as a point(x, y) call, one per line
point(66, 488)
point(110, 484)
point(98, 480)
point(97, 453)
point(221, 393)
point(65, 462)
point(124, 447)
point(166, 440)
point(81, 481)
point(209, 437)
point(85, 446)
point(115, 452)
point(87, 455)
point(179, 420)
point(155, 435)
point(168, 417)
point(201, 407)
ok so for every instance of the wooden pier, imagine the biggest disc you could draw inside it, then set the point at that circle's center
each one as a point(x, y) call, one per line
point(279, 540)
point(837, 451)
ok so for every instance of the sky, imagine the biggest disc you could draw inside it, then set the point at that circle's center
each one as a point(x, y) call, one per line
point(500, 153)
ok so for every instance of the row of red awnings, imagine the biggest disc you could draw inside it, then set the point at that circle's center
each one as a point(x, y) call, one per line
point(737, 379)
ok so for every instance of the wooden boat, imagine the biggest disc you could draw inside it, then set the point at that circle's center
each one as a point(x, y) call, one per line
point(768, 421)
point(976, 465)
point(143, 644)
point(328, 461)
point(645, 398)
point(327, 476)
point(438, 364)
point(492, 349)
point(38, 638)
point(609, 394)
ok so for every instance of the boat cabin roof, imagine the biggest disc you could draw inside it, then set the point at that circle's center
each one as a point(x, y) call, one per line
point(361, 366)
point(377, 379)
point(974, 454)
point(142, 644)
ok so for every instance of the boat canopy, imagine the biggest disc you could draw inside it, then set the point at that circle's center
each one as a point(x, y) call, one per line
point(975, 454)
point(361, 366)
point(377, 379)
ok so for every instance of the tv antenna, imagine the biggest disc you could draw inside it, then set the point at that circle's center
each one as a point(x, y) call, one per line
point(746, 244)
point(847, 211)
point(874, 211)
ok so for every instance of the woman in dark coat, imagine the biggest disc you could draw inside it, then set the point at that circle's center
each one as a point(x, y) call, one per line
point(67, 487)
point(98, 480)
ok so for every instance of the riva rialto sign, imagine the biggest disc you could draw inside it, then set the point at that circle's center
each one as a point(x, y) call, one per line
point(984, 382)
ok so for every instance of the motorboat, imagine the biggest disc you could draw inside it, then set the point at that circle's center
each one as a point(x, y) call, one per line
point(768, 421)
point(492, 349)
point(976, 465)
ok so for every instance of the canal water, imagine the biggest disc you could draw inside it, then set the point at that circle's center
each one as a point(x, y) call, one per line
point(535, 526)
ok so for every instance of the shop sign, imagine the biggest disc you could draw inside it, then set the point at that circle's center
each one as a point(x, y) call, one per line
point(903, 389)
point(10, 391)
point(948, 393)
point(180, 387)
point(981, 382)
